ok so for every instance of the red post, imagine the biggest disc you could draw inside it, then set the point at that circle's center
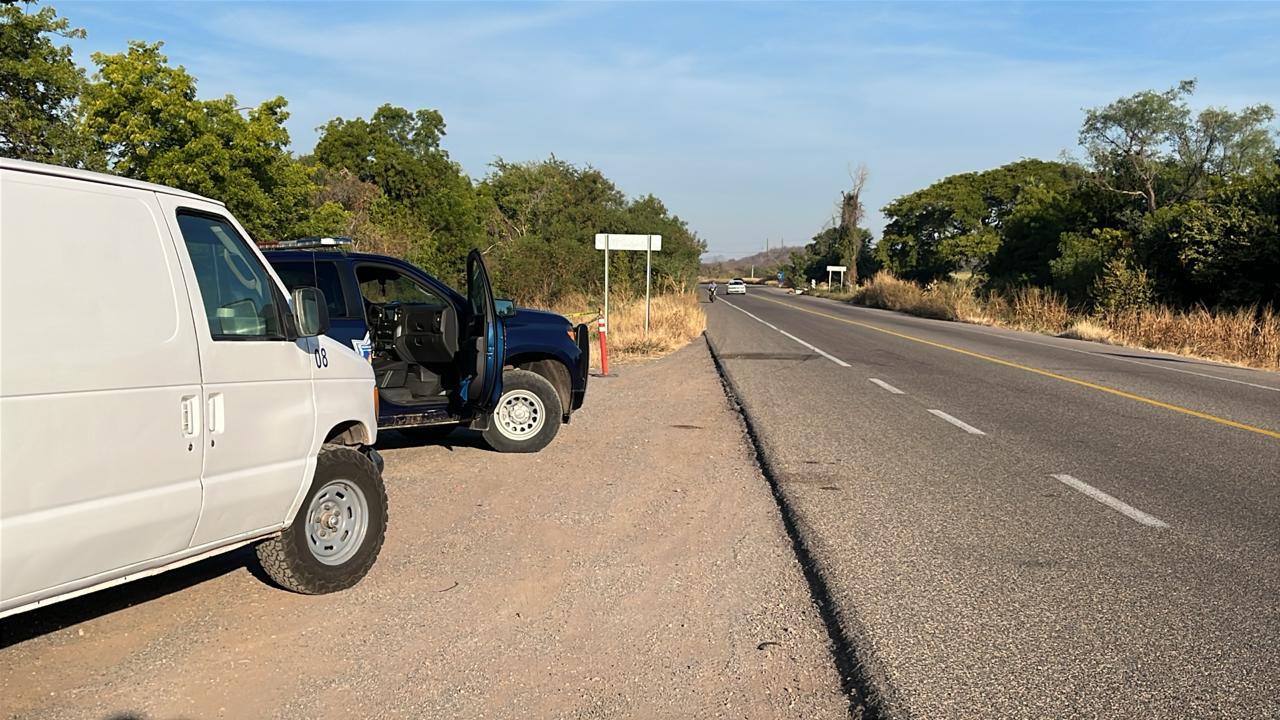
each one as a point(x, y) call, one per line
point(604, 347)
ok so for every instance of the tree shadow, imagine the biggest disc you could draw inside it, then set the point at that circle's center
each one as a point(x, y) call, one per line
point(42, 621)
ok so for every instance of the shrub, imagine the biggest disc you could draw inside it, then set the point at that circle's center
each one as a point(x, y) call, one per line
point(1122, 287)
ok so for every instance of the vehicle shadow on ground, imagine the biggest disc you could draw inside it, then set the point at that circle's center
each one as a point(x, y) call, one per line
point(459, 438)
point(33, 624)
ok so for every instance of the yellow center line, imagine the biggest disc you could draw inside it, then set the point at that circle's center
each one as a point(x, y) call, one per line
point(1038, 371)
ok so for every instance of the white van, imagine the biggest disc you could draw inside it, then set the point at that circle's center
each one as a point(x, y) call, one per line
point(161, 400)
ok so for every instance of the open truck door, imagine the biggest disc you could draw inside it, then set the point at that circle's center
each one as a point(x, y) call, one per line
point(483, 338)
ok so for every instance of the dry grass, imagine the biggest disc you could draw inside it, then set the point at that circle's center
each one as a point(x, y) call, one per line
point(1246, 337)
point(891, 293)
point(674, 319)
point(1034, 309)
point(1088, 329)
point(841, 295)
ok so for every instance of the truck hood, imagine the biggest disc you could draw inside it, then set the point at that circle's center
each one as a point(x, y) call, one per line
point(537, 319)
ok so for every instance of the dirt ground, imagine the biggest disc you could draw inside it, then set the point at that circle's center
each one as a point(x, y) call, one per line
point(635, 568)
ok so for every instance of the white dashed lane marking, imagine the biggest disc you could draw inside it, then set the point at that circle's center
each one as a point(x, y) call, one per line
point(1120, 506)
point(886, 386)
point(958, 423)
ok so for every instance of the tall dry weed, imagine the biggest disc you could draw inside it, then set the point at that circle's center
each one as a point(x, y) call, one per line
point(1036, 309)
point(675, 318)
point(1247, 336)
point(886, 291)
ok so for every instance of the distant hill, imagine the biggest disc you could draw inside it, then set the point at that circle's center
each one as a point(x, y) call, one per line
point(765, 263)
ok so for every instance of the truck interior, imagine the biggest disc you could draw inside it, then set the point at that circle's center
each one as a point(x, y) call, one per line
point(416, 337)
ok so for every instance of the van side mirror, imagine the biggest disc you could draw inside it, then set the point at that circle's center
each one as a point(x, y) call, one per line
point(310, 311)
point(505, 308)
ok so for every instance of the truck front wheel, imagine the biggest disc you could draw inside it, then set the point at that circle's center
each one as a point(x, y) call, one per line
point(528, 414)
point(338, 531)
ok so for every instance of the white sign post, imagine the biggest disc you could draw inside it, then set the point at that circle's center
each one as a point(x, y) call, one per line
point(836, 268)
point(649, 244)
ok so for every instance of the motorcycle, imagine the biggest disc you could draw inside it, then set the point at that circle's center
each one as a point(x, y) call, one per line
point(711, 294)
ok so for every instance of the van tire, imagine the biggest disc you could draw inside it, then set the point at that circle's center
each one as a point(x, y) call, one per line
point(523, 392)
point(289, 559)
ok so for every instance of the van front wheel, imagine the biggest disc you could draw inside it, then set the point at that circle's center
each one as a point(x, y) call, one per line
point(338, 531)
point(528, 414)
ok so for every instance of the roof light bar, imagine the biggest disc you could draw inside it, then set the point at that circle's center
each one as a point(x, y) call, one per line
point(314, 242)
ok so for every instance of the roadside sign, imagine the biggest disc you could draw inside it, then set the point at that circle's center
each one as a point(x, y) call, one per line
point(836, 269)
point(611, 241)
point(647, 243)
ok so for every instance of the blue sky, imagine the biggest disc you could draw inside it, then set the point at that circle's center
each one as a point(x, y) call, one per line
point(745, 118)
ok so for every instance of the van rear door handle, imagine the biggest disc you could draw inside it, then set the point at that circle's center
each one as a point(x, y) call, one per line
point(190, 416)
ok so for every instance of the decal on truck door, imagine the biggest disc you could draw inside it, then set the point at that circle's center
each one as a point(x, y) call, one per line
point(364, 346)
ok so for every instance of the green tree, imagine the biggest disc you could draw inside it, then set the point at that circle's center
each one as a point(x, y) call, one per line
point(39, 85)
point(959, 222)
point(676, 267)
point(830, 247)
point(1150, 146)
point(542, 221)
point(1082, 257)
point(150, 125)
point(426, 193)
point(1223, 249)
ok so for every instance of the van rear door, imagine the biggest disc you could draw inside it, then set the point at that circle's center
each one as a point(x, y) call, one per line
point(100, 390)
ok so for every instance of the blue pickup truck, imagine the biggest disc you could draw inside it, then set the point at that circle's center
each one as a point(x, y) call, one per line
point(443, 359)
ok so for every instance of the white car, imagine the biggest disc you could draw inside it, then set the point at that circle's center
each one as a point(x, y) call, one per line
point(164, 400)
point(736, 286)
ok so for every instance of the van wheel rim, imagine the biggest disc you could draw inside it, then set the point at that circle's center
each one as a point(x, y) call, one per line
point(337, 522)
point(520, 415)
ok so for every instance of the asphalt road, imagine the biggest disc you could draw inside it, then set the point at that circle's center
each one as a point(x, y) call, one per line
point(1011, 525)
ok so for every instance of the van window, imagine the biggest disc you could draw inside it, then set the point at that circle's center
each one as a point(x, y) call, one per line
point(322, 274)
point(238, 299)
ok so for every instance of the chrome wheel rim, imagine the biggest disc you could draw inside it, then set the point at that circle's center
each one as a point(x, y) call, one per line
point(337, 522)
point(520, 415)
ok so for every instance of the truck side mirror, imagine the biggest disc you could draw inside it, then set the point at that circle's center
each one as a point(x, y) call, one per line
point(505, 308)
point(310, 311)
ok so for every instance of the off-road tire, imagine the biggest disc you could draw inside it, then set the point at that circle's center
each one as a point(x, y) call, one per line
point(289, 560)
point(525, 382)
